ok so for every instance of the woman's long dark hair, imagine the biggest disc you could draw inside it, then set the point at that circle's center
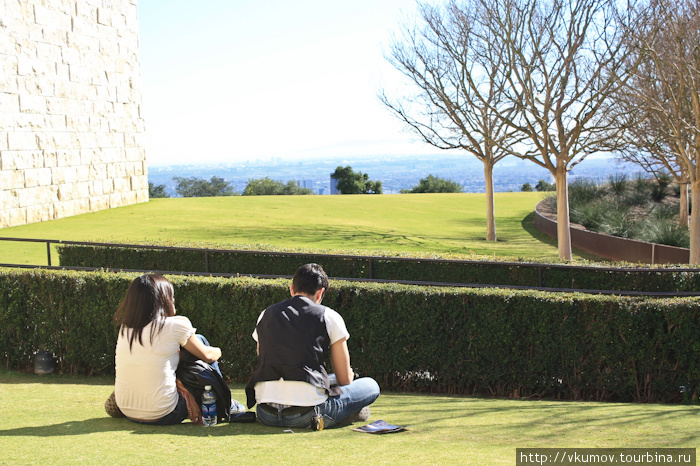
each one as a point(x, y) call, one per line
point(150, 298)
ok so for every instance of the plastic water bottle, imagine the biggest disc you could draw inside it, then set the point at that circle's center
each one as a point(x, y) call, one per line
point(208, 407)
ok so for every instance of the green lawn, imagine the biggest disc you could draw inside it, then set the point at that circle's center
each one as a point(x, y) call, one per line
point(439, 223)
point(56, 419)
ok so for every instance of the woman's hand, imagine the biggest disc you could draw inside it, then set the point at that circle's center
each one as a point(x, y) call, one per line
point(208, 354)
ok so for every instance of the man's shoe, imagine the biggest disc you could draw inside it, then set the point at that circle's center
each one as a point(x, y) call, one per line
point(247, 416)
point(362, 415)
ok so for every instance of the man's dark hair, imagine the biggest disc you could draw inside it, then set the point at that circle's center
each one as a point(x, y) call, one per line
point(309, 278)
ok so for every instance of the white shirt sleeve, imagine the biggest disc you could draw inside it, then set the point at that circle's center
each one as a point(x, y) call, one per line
point(335, 325)
point(182, 329)
point(255, 330)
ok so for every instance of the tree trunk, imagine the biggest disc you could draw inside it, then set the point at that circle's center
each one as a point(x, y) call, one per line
point(695, 222)
point(683, 216)
point(563, 230)
point(490, 205)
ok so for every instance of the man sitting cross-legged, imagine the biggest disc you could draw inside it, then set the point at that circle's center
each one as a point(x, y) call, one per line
point(290, 384)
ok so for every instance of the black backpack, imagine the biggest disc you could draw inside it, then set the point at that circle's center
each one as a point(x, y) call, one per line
point(195, 374)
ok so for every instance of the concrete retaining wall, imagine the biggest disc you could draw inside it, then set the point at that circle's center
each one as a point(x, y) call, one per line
point(614, 248)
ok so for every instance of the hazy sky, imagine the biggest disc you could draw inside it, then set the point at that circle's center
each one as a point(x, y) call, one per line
point(230, 80)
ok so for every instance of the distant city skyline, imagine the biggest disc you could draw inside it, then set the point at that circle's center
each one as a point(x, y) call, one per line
point(395, 172)
point(231, 80)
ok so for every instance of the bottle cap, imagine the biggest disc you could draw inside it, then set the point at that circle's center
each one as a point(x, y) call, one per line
point(207, 387)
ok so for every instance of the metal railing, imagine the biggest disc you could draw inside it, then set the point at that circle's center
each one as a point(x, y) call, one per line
point(369, 259)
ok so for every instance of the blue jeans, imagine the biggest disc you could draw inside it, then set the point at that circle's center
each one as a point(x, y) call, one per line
point(215, 364)
point(179, 414)
point(176, 416)
point(336, 409)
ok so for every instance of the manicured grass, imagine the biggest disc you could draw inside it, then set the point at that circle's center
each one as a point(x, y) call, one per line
point(439, 223)
point(57, 419)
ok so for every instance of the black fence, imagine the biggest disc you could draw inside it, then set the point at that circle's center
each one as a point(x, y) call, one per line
point(538, 268)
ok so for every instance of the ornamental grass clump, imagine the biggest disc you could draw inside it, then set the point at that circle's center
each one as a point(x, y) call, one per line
point(618, 221)
point(583, 191)
point(590, 215)
point(658, 191)
point(668, 232)
point(618, 183)
point(636, 209)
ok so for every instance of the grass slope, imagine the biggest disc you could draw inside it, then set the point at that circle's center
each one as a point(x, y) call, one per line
point(440, 223)
point(55, 419)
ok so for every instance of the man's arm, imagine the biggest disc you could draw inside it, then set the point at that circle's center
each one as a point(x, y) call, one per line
point(340, 360)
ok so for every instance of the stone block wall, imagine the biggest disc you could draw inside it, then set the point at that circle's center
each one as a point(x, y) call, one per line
point(71, 126)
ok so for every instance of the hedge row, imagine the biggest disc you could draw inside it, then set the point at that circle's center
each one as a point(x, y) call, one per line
point(416, 269)
point(446, 340)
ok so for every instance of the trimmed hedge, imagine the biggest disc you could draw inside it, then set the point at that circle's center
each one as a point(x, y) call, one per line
point(555, 276)
point(446, 340)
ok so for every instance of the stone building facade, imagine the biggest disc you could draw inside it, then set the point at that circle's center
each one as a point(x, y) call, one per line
point(71, 127)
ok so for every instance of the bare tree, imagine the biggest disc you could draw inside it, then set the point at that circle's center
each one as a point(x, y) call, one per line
point(648, 143)
point(566, 58)
point(456, 74)
point(668, 40)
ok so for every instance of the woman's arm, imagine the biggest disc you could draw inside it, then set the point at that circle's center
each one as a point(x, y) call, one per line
point(208, 354)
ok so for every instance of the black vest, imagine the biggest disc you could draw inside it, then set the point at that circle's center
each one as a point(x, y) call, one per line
point(294, 344)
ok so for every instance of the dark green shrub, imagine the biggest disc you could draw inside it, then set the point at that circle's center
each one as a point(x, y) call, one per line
point(156, 191)
point(435, 184)
point(543, 186)
point(63, 312)
point(658, 192)
point(265, 263)
point(267, 187)
point(445, 340)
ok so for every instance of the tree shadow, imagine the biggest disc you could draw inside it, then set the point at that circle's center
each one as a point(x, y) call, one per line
point(562, 417)
point(528, 225)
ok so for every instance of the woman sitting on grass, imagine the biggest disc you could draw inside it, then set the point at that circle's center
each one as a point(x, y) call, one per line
point(147, 354)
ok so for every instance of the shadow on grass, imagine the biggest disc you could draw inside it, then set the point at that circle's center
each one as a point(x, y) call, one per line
point(528, 224)
point(13, 377)
point(448, 416)
point(446, 407)
point(332, 237)
point(108, 424)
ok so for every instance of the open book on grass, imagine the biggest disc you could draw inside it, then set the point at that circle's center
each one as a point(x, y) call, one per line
point(379, 427)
